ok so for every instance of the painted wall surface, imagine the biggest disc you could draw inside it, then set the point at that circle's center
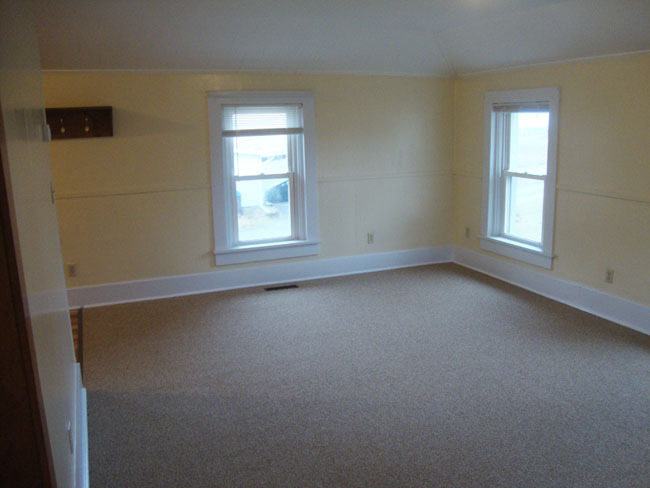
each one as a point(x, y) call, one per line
point(21, 97)
point(602, 217)
point(137, 205)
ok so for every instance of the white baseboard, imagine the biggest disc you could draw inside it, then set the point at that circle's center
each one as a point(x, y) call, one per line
point(81, 435)
point(171, 286)
point(625, 312)
point(630, 314)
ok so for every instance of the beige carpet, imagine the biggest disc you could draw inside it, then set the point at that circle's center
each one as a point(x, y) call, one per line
point(432, 376)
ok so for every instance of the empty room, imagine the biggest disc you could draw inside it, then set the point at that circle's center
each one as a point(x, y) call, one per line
point(326, 243)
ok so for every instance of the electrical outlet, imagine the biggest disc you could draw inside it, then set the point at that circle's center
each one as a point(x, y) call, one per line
point(371, 237)
point(466, 232)
point(609, 276)
point(72, 270)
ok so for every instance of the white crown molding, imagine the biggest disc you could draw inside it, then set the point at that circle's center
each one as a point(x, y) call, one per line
point(190, 71)
point(388, 74)
point(542, 64)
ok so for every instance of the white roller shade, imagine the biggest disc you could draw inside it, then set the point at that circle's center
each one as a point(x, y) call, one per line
point(521, 107)
point(261, 120)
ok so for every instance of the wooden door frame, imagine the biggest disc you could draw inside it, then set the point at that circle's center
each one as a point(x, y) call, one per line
point(27, 458)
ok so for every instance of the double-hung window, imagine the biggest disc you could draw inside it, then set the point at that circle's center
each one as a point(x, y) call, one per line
point(264, 189)
point(519, 174)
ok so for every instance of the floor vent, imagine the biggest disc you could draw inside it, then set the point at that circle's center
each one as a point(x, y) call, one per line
point(280, 287)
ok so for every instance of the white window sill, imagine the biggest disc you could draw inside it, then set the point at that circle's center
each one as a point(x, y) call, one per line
point(517, 250)
point(266, 252)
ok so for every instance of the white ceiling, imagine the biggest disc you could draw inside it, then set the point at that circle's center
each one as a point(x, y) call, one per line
point(414, 37)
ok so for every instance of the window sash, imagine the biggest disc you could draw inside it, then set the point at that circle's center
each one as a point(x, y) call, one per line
point(295, 155)
point(503, 176)
point(507, 210)
point(292, 204)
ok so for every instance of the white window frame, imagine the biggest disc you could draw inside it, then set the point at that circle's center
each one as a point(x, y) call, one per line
point(305, 238)
point(493, 237)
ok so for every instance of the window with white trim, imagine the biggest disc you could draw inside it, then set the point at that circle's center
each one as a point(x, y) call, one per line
point(264, 184)
point(519, 177)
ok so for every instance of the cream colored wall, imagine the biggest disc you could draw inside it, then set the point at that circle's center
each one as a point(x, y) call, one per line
point(603, 187)
point(137, 205)
point(21, 98)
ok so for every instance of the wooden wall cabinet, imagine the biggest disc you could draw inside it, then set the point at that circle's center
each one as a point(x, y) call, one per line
point(80, 122)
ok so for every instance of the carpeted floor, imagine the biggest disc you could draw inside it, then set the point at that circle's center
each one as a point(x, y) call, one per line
point(433, 376)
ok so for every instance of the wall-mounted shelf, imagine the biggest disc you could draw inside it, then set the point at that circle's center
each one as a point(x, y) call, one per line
point(80, 122)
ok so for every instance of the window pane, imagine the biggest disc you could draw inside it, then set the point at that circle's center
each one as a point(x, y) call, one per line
point(525, 202)
point(528, 142)
point(263, 209)
point(257, 155)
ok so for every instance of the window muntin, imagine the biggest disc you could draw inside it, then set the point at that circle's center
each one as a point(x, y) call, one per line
point(264, 183)
point(519, 175)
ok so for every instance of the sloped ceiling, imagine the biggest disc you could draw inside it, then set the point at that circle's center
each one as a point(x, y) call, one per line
point(413, 37)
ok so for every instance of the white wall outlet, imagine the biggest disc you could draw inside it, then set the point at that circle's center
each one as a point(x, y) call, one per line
point(72, 269)
point(609, 276)
point(371, 237)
